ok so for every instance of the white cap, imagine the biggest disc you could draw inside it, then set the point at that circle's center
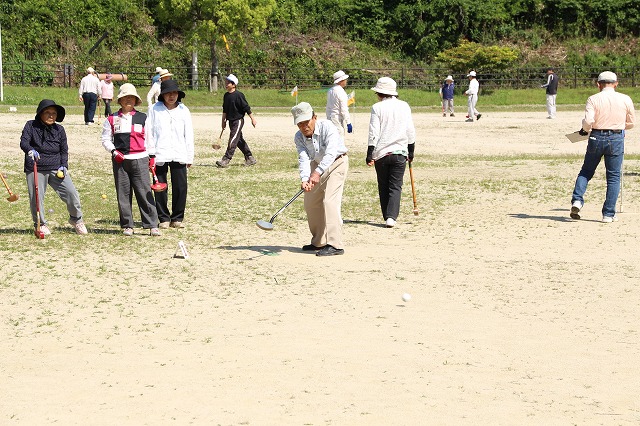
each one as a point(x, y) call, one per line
point(232, 78)
point(471, 74)
point(449, 78)
point(386, 86)
point(339, 76)
point(302, 112)
point(158, 69)
point(91, 70)
point(607, 77)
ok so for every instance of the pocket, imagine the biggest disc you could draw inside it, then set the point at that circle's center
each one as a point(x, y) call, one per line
point(592, 145)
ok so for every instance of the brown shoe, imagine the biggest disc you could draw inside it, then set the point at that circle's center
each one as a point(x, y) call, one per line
point(223, 163)
point(250, 161)
point(177, 224)
point(163, 225)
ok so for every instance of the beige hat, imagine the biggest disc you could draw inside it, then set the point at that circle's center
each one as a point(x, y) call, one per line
point(607, 77)
point(129, 89)
point(302, 112)
point(339, 76)
point(90, 70)
point(165, 73)
point(232, 78)
point(471, 74)
point(449, 78)
point(158, 70)
point(386, 86)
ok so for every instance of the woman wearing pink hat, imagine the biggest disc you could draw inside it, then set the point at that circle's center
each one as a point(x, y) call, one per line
point(106, 94)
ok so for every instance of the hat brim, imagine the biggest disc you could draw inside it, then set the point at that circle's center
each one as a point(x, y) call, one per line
point(384, 91)
point(181, 95)
point(339, 79)
point(303, 117)
point(59, 110)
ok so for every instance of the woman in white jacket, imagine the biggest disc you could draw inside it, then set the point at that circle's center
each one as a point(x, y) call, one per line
point(169, 134)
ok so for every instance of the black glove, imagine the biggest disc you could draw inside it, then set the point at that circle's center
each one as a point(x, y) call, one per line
point(411, 149)
point(370, 149)
point(582, 132)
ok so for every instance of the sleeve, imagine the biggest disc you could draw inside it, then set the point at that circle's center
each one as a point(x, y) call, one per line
point(589, 116)
point(188, 135)
point(151, 94)
point(26, 137)
point(64, 148)
point(374, 128)
point(631, 114)
point(344, 108)
point(548, 81)
point(303, 158)
point(411, 130)
point(107, 136)
point(149, 134)
point(81, 87)
point(329, 133)
point(245, 105)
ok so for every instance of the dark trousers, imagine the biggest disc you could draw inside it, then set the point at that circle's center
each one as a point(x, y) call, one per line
point(90, 101)
point(390, 172)
point(134, 175)
point(178, 192)
point(107, 107)
point(236, 140)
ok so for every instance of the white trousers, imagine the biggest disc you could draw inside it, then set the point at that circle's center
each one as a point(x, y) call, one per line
point(551, 106)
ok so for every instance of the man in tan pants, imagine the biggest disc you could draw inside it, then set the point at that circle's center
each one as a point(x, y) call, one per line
point(323, 165)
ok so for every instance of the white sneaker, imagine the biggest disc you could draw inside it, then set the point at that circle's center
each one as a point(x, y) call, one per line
point(609, 219)
point(390, 223)
point(79, 226)
point(575, 210)
point(45, 230)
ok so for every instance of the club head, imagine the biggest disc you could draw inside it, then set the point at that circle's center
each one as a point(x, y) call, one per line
point(13, 197)
point(159, 187)
point(267, 226)
point(39, 234)
point(216, 145)
point(415, 212)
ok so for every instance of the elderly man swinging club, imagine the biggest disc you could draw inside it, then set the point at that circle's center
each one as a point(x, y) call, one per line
point(323, 165)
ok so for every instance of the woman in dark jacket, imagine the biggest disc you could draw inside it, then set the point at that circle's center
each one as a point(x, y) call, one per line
point(45, 142)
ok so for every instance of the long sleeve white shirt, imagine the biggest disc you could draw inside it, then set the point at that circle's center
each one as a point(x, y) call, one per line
point(169, 134)
point(391, 127)
point(323, 147)
point(337, 101)
point(154, 92)
point(474, 86)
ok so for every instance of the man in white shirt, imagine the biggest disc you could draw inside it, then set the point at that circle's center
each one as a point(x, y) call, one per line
point(323, 166)
point(337, 109)
point(88, 94)
point(472, 93)
point(154, 92)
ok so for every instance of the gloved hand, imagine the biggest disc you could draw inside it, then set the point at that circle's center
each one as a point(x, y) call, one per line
point(349, 128)
point(62, 172)
point(35, 156)
point(152, 163)
point(117, 156)
point(583, 132)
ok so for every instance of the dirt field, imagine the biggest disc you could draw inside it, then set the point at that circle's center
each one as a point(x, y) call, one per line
point(519, 315)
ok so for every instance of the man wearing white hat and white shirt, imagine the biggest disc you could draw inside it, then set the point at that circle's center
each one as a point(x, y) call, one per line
point(472, 93)
point(154, 92)
point(446, 94)
point(607, 115)
point(392, 138)
point(88, 94)
point(323, 166)
point(337, 103)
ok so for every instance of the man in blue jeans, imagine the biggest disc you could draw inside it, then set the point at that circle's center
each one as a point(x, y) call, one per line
point(607, 115)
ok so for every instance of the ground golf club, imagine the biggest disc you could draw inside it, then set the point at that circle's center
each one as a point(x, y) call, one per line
point(268, 226)
point(12, 196)
point(39, 233)
point(413, 191)
point(157, 186)
point(217, 144)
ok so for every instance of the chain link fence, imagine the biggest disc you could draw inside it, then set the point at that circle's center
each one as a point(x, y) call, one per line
point(430, 79)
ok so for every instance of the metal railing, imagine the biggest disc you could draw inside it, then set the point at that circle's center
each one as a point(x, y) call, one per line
point(285, 78)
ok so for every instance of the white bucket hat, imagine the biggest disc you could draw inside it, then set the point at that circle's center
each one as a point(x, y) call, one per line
point(232, 78)
point(129, 89)
point(449, 78)
point(471, 74)
point(339, 76)
point(302, 112)
point(386, 86)
point(91, 70)
point(607, 77)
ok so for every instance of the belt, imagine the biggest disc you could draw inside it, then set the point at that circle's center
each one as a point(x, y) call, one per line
point(340, 156)
point(607, 131)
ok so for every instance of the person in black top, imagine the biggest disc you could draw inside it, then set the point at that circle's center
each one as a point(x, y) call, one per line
point(234, 107)
point(552, 91)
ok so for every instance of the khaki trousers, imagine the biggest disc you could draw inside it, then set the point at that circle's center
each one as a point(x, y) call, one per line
point(323, 202)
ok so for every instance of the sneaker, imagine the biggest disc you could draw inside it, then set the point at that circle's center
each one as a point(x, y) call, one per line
point(154, 232)
point(311, 247)
point(452, 115)
point(127, 232)
point(478, 116)
point(223, 163)
point(45, 230)
point(176, 224)
point(329, 250)
point(164, 225)
point(575, 210)
point(390, 223)
point(250, 161)
point(81, 229)
point(469, 120)
point(609, 219)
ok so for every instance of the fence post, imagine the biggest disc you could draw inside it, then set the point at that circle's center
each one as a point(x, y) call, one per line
point(402, 78)
point(22, 73)
point(575, 76)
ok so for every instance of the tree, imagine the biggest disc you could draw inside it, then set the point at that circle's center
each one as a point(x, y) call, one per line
point(204, 22)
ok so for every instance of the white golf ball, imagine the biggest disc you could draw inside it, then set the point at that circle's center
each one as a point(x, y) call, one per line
point(406, 297)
